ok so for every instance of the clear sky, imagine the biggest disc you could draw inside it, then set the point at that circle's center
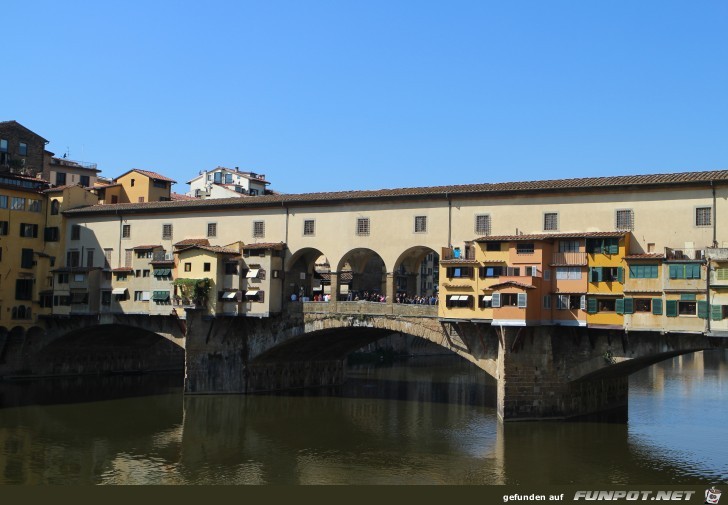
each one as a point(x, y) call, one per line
point(340, 94)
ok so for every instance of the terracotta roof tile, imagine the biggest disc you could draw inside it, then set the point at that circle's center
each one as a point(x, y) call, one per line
point(485, 189)
point(192, 241)
point(508, 284)
point(645, 256)
point(459, 261)
point(211, 248)
point(550, 236)
point(148, 173)
point(122, 269)
point(146, 247)
point(278, 246)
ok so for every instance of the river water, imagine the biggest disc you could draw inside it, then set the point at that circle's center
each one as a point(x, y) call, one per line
point(430, 420)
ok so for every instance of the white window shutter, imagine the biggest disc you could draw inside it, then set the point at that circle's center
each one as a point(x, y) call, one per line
point(522, 300)
point(582, 304)
point(496, 300)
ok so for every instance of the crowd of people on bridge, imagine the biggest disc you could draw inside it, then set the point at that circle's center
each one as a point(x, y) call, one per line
point(373, 296)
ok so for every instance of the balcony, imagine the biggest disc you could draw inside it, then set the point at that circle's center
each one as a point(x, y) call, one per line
point(569, 259)
point(683, 254)
point(74, 163)
point(717, 253)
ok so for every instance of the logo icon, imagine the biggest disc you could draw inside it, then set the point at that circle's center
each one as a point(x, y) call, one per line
point(712, 496)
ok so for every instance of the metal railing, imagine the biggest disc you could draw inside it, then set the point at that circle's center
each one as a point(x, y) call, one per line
point(684, 254)
point(569, 258)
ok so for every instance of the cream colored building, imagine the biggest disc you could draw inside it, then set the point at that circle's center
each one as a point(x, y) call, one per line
point(387, 228)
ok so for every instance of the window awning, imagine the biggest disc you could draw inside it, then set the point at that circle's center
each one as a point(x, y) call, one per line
point(252, 273)
point(459, 298)
point(318, 288)
point(162, 272)
point(230, 295)
point(160, 296)
point(146, 295)
point(118, 291)
point(251, 292)
point(487, 298)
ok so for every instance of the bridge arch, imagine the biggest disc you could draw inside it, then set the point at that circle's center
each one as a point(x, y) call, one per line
point(368, 271)
point(408, 268)
point(301, 271)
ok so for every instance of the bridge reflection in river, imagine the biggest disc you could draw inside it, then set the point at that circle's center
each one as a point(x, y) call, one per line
point(429, 421)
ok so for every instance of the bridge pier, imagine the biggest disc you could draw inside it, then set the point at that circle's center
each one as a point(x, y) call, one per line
point(536, 371)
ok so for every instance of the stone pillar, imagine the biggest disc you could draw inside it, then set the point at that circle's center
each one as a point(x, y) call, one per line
point(390, 288)
point(531, 385)
point(334, 289)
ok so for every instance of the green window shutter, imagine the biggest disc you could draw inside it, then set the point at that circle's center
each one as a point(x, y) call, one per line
point(619, 306)
point(614, 246)
point(721, 274)
point(657, 306)
point(688, 297)
point(671, 308)
point(703, 309)
point(620, 275)
point(695, 268)
point(598, 275)
point(629, 305)
point(676, 271)
point(716, 312)
point(591, 305)
point(654, 271)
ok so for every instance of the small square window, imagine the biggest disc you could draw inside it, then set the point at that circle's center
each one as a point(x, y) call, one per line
point(206, 267)
point(551, 221)
point(482, 224)
point(23, 149)
point(703, 216)
point(624, 219)
point(211, 229)
point(188, 267)
point(420, 224)
point(309, 227)
point(362, 226)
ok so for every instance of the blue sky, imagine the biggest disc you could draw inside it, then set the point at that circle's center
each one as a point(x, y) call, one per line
point(330, 95)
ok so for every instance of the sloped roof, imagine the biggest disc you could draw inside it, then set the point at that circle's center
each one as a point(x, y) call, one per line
point(151, 175)
point(277, 246)
point(211, 248)
point(645, 256)
point(180, 196)
point(192, 241)
point(512, 284)
point(631, 182)
point(12, 123)
point(550, 236)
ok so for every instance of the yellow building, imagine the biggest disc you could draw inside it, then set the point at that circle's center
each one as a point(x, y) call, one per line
point(606, 274)
point(136, 186)
point(215, 275)
point(24, 266)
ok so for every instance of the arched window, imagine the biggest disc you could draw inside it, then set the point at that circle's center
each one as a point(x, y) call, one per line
point(55, 207)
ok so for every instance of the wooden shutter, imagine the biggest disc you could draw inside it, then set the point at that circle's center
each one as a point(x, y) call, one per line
point(703, 309)
point(620, 275)
point(657, 306)
point(716, 312)
point(496, 300)
point(629, 305)
point(614, 246)
point(591, 305)
point(671, 308)
point(619, 305)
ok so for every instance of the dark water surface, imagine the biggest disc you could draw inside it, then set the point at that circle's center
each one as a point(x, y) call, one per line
point(427, 421)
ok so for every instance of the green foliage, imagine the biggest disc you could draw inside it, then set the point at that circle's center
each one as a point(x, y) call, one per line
point(194, 290)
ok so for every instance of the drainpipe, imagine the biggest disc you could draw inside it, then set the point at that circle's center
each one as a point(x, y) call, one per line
point(707, 295)
point(715, 217)
point(449, 221)
point(121, 225)
point(283, 260)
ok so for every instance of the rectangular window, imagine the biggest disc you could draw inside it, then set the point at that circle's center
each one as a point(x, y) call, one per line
point(3, 202)
point(568, 246)
point(26, 258)
point(17, 203)
point(52, 234)
point(309, 228)
point(73, 259)
point(509, 299)
point(461, 301)
point(684, 271)
point(84, 181)
point(624, 219)
point(459, 272)
point(703, 216)
point(34, 205)
point(3, 227)
point(258, 229)
point(547, 301)
point(687, 308)
point(362, 226)
point(159, 184)
point(75, 232)
point(212, 229)
point(141, 199)
point(568, 273)
point(24, 289)
point(642, 305)
point(643, 271)
point(606, 305)
point(3, 146)
point(138, 295)
point(60, 178)
point(493, 246)
point(126, 231)
point(487, 272)
point(602, 245)
point(22, 149)
point(188, 267)
point(206, 267)
point(28, 230)
point(166, 232)
point(420, 224)
point(562, 302)
point(524, 248)
point(89, 257)
point(550, 221)
point(482, 224)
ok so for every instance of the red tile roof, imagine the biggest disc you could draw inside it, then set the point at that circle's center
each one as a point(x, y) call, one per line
point(459, 261)
point(591, 184)
point(179, 196)
point(278, 246)
point(211, 248)
point(146, 247)
point(122, 269)
point(550, 236)
point(515, 284)
point(192, 241)
point(61, 188)
point(151, 175)
point(646, 256)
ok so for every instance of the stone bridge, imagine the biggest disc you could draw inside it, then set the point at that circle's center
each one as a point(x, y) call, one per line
point(542, 372)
